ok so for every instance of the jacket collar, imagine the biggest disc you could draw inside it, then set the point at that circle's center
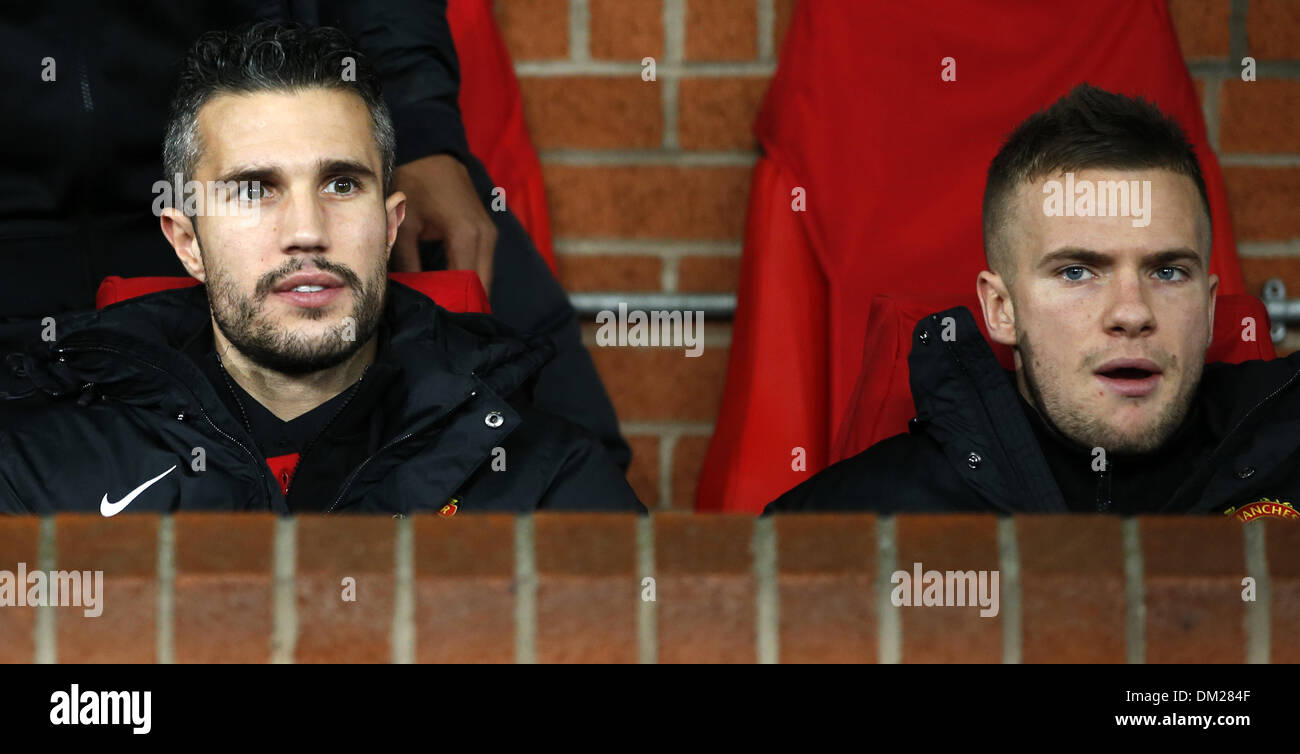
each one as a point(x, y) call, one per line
point(133, 352)
point(962, 395)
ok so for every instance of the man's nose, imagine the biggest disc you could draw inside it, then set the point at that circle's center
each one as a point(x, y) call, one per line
point(1128, 312)
point(304, 224)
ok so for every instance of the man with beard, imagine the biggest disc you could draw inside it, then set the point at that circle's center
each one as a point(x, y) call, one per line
point(298, 378)
point(1097, 238)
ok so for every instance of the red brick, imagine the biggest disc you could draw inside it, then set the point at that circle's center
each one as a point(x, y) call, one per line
point(705, 588)
point(1273, 29)
point(1282, 550)
point(949, 634)
point(223, 589)
point(18, 544)
point(1072, 589)
point(609, 272)
point(721, 30)
point(534, 29)
point(464, 588)
point(708, 274)
point(1256, 270)
point(662, 384)
point(719, 113)
point(688, 460)
point(784, 14)
point(330, 549)
point(1193, 571)
point(1202, 27)
point(588, 588)
point(647, 201)
point(1259, 116)
point(1263, 202)
point(125, 548)
point(643, 474)
point(592, 112)
point(827, 565)
point(621, 30)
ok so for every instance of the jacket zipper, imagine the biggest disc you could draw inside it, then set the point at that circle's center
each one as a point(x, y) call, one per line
point(347, 484)
point(351, 394)
point(202, 411)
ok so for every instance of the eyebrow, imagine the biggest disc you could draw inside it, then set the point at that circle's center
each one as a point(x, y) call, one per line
point(325, 166)
point(1098, 259)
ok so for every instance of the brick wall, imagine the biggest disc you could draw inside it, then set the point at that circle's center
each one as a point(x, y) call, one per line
point(572, 588)
point(647, 182)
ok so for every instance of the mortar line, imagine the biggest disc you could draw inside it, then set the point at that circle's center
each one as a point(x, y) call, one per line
point(889, 620)
point(45, 638)
point(647, 624)
point(1010, 595)
point(767, 597)
point(164, 624)
point(284, 617)
point(1258, 617)
point(579, 31)
point(403, 635)
point(1135, 612)
point(525, 591)
point(766, 29)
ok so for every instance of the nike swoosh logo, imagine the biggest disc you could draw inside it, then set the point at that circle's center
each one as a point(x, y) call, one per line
point(112, 509)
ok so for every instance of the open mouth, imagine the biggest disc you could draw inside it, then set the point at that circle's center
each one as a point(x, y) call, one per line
point(1131, 378)
point(310, 290)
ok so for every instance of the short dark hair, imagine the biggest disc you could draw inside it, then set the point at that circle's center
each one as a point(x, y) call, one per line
point(1087, 128)
point(270, 57)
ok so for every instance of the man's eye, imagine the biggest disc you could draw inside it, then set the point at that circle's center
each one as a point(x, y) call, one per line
point(1075, 273)
point(1170, 273)
point(341, 186)
point(251, 192)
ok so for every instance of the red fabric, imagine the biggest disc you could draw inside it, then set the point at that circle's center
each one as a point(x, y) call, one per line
point(493, 113)
point(282, 468)
point(453, 290)
point(892, 162)
point(882, 401)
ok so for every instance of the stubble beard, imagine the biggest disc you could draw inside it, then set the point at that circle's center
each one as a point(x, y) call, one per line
point(1090, 431)
point(244, 322)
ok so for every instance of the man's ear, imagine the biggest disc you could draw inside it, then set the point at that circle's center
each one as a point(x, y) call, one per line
point(1214, 297)
point(999, 313)
point(179, 231)
point(395, 207)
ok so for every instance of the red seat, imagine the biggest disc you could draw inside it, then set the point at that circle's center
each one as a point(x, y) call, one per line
point(453, 290)
point(493, 113)
point(882, 400)
point(890, 162)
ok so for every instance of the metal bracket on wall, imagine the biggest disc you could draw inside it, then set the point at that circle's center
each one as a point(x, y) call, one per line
point(716, 306)
point(1281, 311)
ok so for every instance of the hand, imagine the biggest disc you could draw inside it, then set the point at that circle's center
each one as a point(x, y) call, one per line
point(441, 205)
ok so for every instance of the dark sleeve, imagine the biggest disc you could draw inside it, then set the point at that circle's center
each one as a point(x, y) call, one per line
point(410, 44)
point(9, 502)
point(588, 480)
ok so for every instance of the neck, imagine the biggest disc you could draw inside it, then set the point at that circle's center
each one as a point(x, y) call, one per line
point(289, 396)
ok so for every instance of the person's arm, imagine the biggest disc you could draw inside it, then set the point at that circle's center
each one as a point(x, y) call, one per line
point(410, 44)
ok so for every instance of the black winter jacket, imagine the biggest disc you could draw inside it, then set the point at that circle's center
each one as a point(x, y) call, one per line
point(971, 446)
point(114, 402)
